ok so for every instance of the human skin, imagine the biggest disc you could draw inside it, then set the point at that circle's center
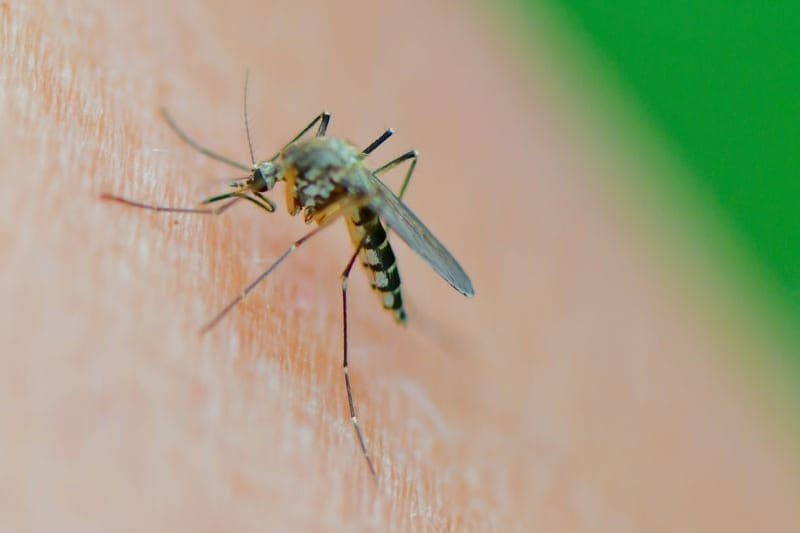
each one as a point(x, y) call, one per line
point(579, 390)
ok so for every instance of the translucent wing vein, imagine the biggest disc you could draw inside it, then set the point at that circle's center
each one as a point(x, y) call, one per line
point(411, 229)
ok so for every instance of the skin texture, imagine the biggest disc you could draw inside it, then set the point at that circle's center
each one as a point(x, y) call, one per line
point(581, 390)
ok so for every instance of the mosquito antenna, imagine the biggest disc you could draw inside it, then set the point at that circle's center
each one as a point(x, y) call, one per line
point(246, 122)
point(194, 144)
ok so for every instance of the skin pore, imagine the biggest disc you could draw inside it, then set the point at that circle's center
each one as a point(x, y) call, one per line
point(579, 390)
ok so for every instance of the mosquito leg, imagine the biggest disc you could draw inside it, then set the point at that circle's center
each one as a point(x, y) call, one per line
point(266, 205)
point(324, 117)
point(262, 201)
point(411, 154)
point(247, 290)
point(167, 209)
point(323, 126)
point(203, 150)
point(377, 142)
point(266, 200)
point(351, 404)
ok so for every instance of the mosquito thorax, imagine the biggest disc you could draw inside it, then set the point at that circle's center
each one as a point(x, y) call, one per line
point(264, 176)
point(314, 171)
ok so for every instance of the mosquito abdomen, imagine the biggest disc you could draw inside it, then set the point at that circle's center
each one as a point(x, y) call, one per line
point(377, 258)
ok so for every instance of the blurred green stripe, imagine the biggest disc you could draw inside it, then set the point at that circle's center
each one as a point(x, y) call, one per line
point(720, 81)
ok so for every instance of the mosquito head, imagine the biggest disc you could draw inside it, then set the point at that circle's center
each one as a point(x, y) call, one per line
point(264, 176)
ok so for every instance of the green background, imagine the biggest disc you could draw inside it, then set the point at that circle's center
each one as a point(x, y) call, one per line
point(720, 82)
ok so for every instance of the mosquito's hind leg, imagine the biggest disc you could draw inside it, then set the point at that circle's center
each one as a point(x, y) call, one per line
point(345, 276)
point(411, 154)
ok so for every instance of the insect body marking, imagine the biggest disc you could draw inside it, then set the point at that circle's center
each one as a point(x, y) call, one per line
point(377, 258)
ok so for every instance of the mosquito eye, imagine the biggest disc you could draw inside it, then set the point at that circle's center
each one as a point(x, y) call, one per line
point(259, 180)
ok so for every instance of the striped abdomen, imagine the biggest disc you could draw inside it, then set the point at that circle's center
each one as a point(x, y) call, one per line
point(378, 258)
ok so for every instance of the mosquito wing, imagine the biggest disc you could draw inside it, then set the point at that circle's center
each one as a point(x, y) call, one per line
point(419, 238)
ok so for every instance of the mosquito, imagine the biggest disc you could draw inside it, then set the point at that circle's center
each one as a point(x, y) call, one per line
point(326, 178)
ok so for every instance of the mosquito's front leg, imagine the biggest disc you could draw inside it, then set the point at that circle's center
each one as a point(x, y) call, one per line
point(261, 201)
point(169, 209)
